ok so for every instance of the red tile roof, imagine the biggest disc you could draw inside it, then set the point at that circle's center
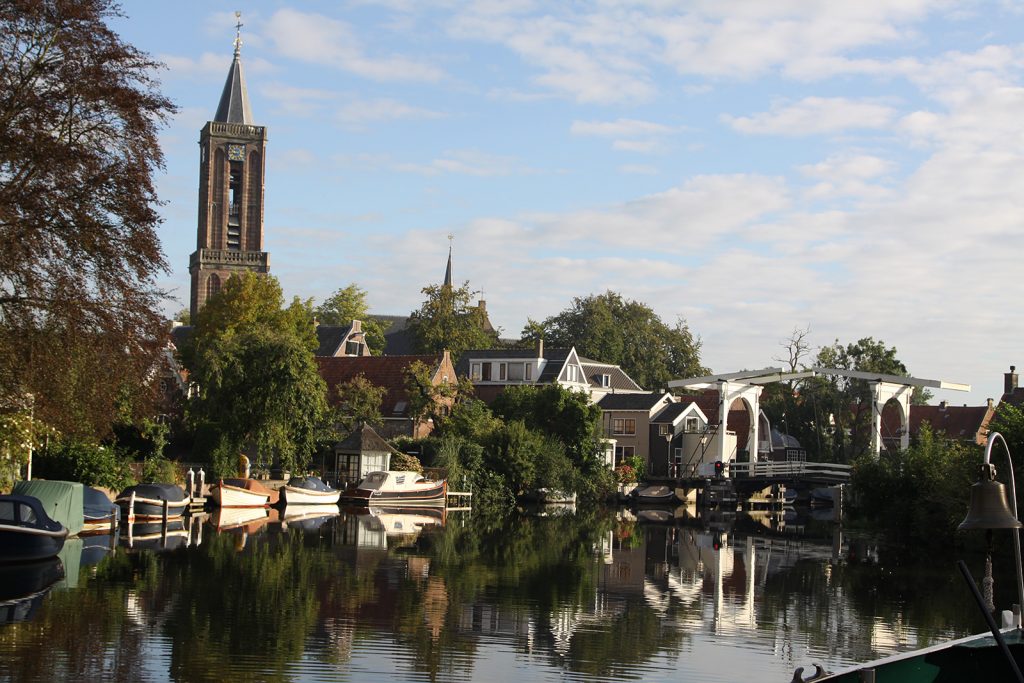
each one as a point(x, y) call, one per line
point(963, 423)
point(383, 371)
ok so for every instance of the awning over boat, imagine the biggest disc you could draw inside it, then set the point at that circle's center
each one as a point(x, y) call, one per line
point(62, 500)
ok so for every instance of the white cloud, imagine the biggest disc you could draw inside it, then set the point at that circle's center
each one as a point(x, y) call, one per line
point(359, 112)
point(466, 162)
point(814, 116)
point(319, 39)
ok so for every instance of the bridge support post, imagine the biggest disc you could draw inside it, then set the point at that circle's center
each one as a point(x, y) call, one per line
point(882, 393)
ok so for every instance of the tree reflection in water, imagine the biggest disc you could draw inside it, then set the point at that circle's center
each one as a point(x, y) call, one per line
point(589, 593)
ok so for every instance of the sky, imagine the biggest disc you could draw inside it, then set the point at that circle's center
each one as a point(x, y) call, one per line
point(749, 166)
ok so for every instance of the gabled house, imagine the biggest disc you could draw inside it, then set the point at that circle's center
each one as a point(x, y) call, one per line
point(492, 370)
point(388, 372)
point(626, 419)
point(680, 441)
point(341, 340)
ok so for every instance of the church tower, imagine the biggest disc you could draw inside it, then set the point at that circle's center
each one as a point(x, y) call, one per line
point(232, 153)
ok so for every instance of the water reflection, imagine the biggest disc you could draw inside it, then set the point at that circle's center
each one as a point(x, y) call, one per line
point(370, 594)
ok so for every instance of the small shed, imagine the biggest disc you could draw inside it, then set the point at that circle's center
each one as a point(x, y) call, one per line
point(362, 452)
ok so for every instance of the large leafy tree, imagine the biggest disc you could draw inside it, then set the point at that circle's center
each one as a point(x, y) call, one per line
point(79, 255)
point(561, 413)
point(252, 360)
point(613, 329)
point(447, 319)
point(358, 402)
point(348, 304)
point(831, 415)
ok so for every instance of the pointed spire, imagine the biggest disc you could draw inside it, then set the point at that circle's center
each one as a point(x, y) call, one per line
point(234, 101)
point(448, 270)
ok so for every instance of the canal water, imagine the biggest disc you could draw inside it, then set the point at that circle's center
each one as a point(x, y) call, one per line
point(407, 595)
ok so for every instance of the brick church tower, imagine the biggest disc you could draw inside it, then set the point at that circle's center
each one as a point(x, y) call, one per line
point(232, 153)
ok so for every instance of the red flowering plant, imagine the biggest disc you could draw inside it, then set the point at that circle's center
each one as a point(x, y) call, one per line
point(625, 474)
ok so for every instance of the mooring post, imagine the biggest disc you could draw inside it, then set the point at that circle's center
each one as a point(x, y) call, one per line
point(202, 481)
point(166, 505)
point(191, 483)
point(131, 509)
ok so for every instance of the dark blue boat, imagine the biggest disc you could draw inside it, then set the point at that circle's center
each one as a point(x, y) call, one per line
point(27, 533)
point(146, 502)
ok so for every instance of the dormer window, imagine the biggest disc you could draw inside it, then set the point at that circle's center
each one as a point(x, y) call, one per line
point(475, 372)
point(606, 381)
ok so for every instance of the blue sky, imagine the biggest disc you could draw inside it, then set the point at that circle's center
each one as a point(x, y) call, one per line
point(749, 166)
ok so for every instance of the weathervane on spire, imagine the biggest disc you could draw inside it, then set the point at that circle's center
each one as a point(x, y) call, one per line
point(238, 33)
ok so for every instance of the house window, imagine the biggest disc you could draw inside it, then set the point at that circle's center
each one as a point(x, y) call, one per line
point(502, 372)
point(692, 425)
point(570, 373)
point(474, 372)
point(353, 348)
point(606, 381)
point(515, 372)
point(623, 425)
point(528, 372)
point(664, 430)
point(486, 376)
point(623, 452)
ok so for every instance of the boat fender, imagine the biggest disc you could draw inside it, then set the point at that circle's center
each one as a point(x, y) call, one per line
point(798, 675)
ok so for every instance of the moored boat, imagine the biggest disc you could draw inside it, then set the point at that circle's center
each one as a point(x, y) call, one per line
point(242, 493)
point(100, 514)
point(974, 658)
point(397, 488)
point(27, 533)
point(657, 494)
point(148, 502)
point(308, 491)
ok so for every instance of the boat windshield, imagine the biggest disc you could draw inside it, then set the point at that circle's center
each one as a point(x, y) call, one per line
point(374, 480)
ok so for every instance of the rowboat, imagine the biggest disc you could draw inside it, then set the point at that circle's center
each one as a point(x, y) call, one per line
point(242, 493)
point(149, 501)
point(308, 491)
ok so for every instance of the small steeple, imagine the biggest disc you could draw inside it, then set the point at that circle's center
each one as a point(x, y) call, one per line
point(234, 101)
point(448, 270)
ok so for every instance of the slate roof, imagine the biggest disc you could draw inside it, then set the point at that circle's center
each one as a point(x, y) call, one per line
point(180, 335)
point(365, 440)
point(644, 401)
point(234, 100)
point(397, 340)
point(671, 412)
point(618, 379)
point(383, 371)
point(330, 338)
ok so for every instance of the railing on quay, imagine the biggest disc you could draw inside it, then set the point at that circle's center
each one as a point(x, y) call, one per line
point(790, 469)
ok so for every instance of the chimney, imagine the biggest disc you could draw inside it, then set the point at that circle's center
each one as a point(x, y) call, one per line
point(540, 347)
point(943, 405)
point(1010, 380)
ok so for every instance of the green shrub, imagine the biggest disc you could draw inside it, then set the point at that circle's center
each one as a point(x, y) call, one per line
point(159, 469)
point(89, 463)
point(403, 462)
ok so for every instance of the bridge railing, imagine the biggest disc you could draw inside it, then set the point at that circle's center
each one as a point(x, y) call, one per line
point(769, 470)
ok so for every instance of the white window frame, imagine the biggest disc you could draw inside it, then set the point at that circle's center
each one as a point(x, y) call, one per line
point(692, 425)
point(606, 380)
point(475, 372)
point(619, 429)
point(502, 372)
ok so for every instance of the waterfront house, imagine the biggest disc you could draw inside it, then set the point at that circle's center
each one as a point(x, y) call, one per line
point(493, 370)
point(626, 419)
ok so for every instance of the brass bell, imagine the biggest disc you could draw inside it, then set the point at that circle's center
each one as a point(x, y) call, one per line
point(990, 508)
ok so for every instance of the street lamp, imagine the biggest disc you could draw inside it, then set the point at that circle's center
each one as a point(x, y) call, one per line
point(989, 509)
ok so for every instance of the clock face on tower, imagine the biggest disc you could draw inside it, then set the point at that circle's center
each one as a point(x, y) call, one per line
point(236, 152)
